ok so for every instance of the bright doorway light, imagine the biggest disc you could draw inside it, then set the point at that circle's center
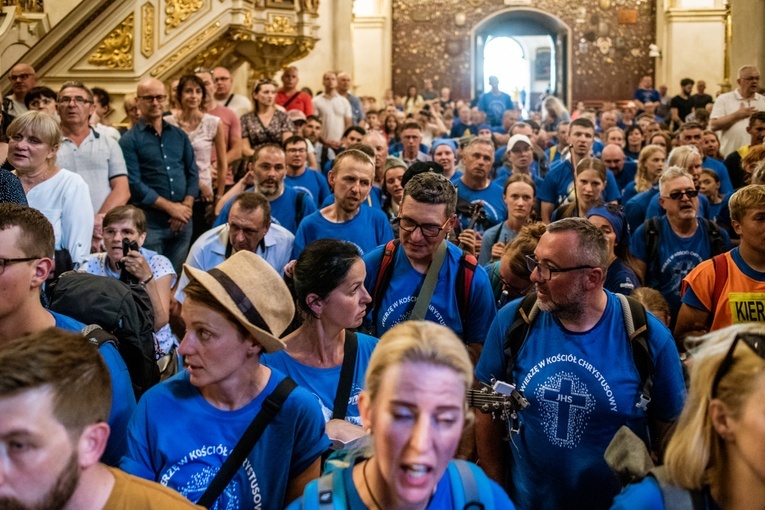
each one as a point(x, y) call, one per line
point(504, 58)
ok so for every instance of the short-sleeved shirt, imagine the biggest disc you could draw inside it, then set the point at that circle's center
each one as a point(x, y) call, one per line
point(684, 106)
point(647, 495)
point(499, 233)
point(333, 112)
point(258, 134)
point(301, 101)
point(367, 230)
point(97, 160)
point(284, 210)
point(647, 96)
point(742, 298)
point(399, 299)
point(621, 278)
point(735, 136)
point(180, 440)
point(232, 131)
point(323, 382)
point(581, 387)
point(493, 204)
point(313, 183)
point(558, 186)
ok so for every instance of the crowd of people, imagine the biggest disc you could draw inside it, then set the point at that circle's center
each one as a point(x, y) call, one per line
point(426, 302)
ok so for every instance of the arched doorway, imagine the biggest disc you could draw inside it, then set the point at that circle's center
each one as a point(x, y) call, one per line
point(544, 63)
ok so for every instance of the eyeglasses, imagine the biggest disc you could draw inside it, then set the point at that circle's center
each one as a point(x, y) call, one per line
point(79, 100)
point(150, 99)
point(546, 272)
point(677, 195)
point(7, 262)
point(755, 341)
point(518, 291)
point(428, 230)
point(19, 77)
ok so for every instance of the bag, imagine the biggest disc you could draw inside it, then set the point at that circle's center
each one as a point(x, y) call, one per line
point(122, 310)
point(470, 489)
point(468, 264)
point(270, 408)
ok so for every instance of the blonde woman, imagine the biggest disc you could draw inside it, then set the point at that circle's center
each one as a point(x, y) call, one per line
point(650, 166)
point(716, 451)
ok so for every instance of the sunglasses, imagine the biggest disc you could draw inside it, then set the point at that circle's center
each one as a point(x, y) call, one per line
point(755, 341)
point(677, 195)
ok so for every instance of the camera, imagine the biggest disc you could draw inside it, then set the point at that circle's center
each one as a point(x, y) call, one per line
point(125, 275)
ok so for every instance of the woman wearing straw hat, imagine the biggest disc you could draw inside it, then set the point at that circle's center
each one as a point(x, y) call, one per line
point(185, 428)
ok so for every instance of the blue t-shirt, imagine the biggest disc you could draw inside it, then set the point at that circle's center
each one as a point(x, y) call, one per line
point(581, 388)
point(647, 96)
point(180, 440)
point(620, 278)
point(499, 233)
point(322, 382)
point(405, 284)
point(626, 176)
point(441, 499)
point(646, 495)
point(493, 204)
point(123, 397)
point(677, 256)
point(283, 209)
point(726, 186)
point(635, 208)
point(558, 186)
point(374, 199)
point(313, 183)
point(504, 173)
point(495, 106)
point(629, 191)
point(459, 130)
point(367, 230)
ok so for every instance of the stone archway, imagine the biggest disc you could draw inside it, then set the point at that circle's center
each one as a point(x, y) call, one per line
point(519, 23)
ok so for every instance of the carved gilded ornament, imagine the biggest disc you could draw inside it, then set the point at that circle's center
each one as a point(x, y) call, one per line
point(248, 23)
point(185, 50)
point(178, 11)
point(281, 25)
point(147, 29)
point(116, 49)
point(311, 6)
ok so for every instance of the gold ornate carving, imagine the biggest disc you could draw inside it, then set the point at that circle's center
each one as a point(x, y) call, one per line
point(116, 49)
point(248, 19)
point(147, 29)
point(281, 25)
point(178, 11)
point(311, 6)
point(185, 50)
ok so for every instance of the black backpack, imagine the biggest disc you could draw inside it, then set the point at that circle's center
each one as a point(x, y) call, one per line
point(120, 309)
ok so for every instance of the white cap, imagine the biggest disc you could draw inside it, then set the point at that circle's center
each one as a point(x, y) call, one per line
point(515, 139)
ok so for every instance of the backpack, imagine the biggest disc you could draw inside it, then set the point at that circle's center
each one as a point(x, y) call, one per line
point(120, 309)
point(470, 489)
point(468, 264)
point(635, 323)
point(653, 235)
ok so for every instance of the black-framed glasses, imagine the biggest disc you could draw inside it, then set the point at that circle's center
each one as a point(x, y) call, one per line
point(546, 272)
point(517, 291)
point(428, 230)
point(755, 341)
point(19, 77)
point(7, 262)
point(677, 195)
point(79, 100)
point(150, 99)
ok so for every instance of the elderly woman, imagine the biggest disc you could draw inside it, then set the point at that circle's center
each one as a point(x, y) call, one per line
point(62, 196)
point(266, 123)
point(185, 428)
point(329, 288)
point(415, 410)
point(715, 454)
point(152, 271)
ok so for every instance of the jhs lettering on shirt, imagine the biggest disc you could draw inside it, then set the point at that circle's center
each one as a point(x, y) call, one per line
point(747, 307)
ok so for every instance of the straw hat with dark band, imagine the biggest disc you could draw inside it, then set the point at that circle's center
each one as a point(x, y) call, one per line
point(249, 288)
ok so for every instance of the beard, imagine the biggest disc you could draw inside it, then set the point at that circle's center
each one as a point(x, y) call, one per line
point(569, 309)
point(58, 496)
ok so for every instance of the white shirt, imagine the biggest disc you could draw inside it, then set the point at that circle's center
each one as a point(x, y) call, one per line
point(210, 250)
point(734, 137)
point(333, 112)
point(239, 104)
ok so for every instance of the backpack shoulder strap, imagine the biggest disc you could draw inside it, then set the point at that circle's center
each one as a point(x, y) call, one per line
point(271, 407)
point(518, 331)
point(98, 336)
point(470, 487)
point(299, 208)
point(716, 241)
point(720, 263)
point(636, 324)
point(465, 274)
point(675, 497)
point(384, 274)
point(652, 233)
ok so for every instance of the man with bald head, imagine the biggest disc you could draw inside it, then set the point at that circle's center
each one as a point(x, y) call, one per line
point(22, 78)
point(614, 160)
point(344, 89)
point(731, 112)
point(163, 176)
point(224, 92)
point(377, 141)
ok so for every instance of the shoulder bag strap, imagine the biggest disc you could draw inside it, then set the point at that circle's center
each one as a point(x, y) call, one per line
point(287, 103)
point(228, 101)
point(429, 285)
point(271, 407)
point(345, 383)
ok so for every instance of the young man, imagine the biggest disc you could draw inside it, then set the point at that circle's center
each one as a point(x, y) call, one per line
point(335, 112)
point(411, 138)
point(55, 397)
point(741, 294)
point(26, 247)
point(577, 370)
point(682, 104)
point(299, 176)
point(290, 96)
point(351, 179)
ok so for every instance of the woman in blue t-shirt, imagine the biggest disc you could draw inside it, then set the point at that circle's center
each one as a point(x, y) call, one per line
point(621, 275)
point(716, 451)
point(415, 409)
point(328, 282)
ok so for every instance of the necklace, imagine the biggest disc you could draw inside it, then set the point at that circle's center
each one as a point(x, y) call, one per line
point(366, 484)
